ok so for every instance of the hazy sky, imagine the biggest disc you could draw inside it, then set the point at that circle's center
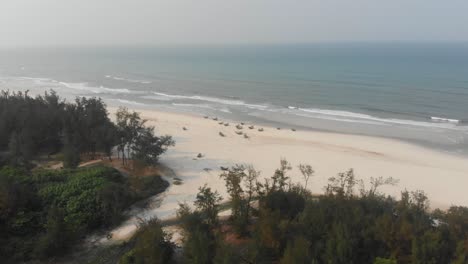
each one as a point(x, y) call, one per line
point(142, 22)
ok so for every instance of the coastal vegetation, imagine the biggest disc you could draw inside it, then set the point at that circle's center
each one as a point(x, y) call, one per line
point(275, 221)
point(58, 181)
point(37, 128)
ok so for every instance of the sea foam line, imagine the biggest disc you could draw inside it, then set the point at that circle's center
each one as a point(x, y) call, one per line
point(164, 96)
point(441, 119)
point(97, 90)
point(225, 110)
point(359, 118)
point(128, 102)
point(127, 80)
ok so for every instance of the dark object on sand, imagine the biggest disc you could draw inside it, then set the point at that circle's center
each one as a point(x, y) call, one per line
point(239, 127)
point(293, 129)
point(251, 127)
point(227, 124)
point(239, 132)
point(184, 128)
point(242, 123)
point(245, 136)
point(279, 128)
point(260, 129)
point(221, 134)
point(215, 118)
point(206, 117)
point(224, 168)
point(177, 182)
point(200, 155)
point(221, 123)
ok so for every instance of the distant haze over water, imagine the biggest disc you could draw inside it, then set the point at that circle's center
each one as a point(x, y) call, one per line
point(414, 92)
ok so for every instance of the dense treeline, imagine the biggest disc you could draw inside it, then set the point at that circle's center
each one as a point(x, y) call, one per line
point(31, 127)
point(350, 223)
point(46, 125)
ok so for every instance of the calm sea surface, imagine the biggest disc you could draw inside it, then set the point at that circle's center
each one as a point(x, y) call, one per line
point(413, 92)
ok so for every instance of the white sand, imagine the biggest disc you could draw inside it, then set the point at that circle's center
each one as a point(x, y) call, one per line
point(444, 177)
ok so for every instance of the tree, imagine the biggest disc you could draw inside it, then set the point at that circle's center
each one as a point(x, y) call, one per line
point(152, 245)
point(58, 236)
point(307, 172)
point(384, 261)
point(137, 141)
point(71, 151)
point(297, 251)
point(279, 179)
point(207, 202)
point(342, 185)
point(233, 179)
point(375, 184)
point(200, 241)
point(147, 147)
point(251, 187)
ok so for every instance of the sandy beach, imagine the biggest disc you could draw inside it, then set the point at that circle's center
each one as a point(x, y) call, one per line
point(442, 176)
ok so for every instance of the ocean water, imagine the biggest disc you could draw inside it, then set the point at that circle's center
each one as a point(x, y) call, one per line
point(413, 92)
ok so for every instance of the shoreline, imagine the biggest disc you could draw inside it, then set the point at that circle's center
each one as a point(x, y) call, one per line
point(265, 122)
point(441, 175)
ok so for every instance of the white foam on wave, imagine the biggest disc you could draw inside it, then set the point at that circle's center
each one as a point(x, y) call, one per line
point(93, 89)
point(224, 110)
point(164, 96)
point(364, 118)
point(441, 119)
point(128, 102)
point(158, 98)
point(127, 80)
point(115, 90)
point(54, 84)
point(335, 113)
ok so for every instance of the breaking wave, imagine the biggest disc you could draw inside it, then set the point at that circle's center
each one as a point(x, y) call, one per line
point(347, 116)
point(127, 80)
point(441, 119)
point(97, 90)
point(167, 97)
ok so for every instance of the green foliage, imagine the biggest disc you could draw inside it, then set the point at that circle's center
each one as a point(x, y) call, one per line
point(137, 141)
point(343, 227)
point(43, 213)
point(57, 238)
point(200, 240)
point(307, 172)
point(225, 254)
point(29, 126)
point(148, 147)
point(243, 186)
point(151, 245)
point(90, 197)
point(199, 237)
point(342, 185)
point(289, 203)
point(280, 178)
point(33, 126)
point(384, 261)
point(207, 202)
point(297, 251)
